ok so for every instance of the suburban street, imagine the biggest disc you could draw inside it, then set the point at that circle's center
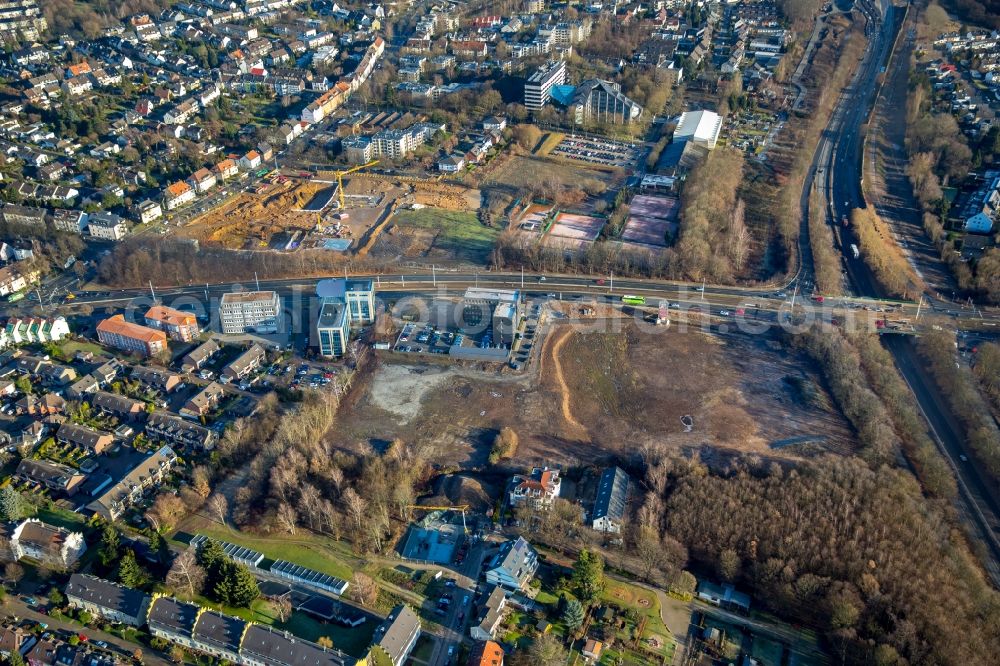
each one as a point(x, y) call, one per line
point(14, 606)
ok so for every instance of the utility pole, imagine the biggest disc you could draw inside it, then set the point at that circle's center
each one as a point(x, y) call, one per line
point(611, 286)
point(151, 292)
point(920, 304)
point(703, 289)
point(256, 280)
point(434, 278)
point(794, 294)
point(522, 277)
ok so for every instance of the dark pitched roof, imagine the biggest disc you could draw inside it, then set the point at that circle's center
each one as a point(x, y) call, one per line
point(106, 594)
point(612, 492)
point(221, 631)
point(172, 615)
point(396, 633)
point(283, 649)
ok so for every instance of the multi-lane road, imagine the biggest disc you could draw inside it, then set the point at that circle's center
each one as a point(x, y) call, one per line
point(841, 169)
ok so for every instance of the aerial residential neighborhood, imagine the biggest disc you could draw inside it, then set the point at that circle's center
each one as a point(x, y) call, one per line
point(539, 333)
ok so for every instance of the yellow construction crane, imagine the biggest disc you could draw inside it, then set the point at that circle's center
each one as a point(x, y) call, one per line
point(461, 508)
point(340, 179)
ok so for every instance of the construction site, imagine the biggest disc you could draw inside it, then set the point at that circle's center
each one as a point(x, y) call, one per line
point(341, 211)
point(599, 392)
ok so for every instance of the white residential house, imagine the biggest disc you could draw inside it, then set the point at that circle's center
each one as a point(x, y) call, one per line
point(250, 161)
point(538, 489)
point(178, 194)
point(106, 226)
point(50, 545)
point(148, 210)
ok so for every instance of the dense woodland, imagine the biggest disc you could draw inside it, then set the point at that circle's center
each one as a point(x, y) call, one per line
point(714, 240)
point(88, 19)
point(171, 262)
point(979, 12)
point(854, 550)
point(959, 388)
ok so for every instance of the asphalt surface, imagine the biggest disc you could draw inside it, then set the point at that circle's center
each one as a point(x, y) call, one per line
point(844, 172)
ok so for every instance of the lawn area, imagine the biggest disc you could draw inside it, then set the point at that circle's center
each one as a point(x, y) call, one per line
point(422, 652)
point(307, 550)
point(549, 143)
point(457, 232)
point(61, 518)
point(71, 347)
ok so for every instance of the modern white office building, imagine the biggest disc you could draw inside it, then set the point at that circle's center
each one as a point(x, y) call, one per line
point(537, 89)
point(343, 303)
point(250, 312)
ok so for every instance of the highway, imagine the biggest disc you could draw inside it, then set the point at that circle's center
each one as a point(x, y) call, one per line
point(842, 169)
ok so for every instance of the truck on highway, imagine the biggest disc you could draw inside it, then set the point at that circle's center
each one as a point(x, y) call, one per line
point(855, 251)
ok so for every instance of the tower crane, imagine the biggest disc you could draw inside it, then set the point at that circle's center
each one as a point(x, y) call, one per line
point(340, 178)
point(339, 174)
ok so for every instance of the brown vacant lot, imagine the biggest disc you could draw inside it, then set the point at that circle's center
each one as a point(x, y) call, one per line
point(597, 394)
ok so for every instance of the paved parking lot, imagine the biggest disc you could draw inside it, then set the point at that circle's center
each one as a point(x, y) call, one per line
point(600, 151)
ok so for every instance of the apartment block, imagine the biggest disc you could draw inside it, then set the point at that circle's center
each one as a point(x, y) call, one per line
point(120, 334)
point(182, 326)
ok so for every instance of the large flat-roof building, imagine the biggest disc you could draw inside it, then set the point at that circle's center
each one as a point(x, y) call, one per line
point(500, 308)
point(333, 328)
point(343, 303)
point(699, 127)
point(250, 312)
point(538, 87)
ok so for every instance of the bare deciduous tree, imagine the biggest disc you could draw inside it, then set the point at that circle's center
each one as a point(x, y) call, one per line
point(186, 577)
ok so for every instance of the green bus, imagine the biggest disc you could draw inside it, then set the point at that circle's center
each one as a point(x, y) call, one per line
point(15, 297)
point(633, 300)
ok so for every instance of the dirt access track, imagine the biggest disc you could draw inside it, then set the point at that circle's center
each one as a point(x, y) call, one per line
point(598, 394)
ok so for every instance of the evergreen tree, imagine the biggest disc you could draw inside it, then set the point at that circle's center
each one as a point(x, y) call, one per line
point(12, 505)
point(129, 573)
point(244, 586)
point(110, 545)
point(235, 586)
point(588, 576)
point(211, 558)
point(572, 617)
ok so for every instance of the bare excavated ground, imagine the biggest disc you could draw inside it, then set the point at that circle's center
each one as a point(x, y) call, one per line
point(601, 394)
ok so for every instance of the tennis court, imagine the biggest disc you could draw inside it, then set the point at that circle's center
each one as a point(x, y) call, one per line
point(577, 227)
point(651, 219)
